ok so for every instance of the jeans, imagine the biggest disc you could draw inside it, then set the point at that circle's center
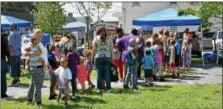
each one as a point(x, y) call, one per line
point(103, 65)
point(131, 72)
point(15, 66)
point(4, 68)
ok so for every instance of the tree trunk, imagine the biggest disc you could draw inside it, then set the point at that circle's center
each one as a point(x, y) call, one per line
point(87, 36)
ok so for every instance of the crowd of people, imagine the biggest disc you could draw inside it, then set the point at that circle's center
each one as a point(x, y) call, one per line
point(129, 53)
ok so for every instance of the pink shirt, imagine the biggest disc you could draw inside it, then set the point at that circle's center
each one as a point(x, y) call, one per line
point(158, 54)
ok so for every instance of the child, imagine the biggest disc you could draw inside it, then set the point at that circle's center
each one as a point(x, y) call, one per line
point(167, 55)
point(185, 54)
point(52, 67)
point(148, 63)
point(73, 61)
point(130, 60)
point(159, 60)
point(172, 59)
point(88, 56)
point(82, 72)
point(33, 59)
point(65, 76)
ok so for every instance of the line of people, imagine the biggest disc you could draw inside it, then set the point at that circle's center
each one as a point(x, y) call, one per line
point(128, 52)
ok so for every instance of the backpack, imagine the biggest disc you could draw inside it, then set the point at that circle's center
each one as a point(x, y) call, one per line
point(113, 73)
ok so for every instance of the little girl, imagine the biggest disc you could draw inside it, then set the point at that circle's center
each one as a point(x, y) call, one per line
point(82, 72)
point(185, 54)
point(88, 56)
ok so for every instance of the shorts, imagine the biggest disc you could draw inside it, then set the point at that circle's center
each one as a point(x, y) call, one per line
point(166, 59)
point(172, 65)
point(148, 73)
point(53, 78)
point(64, 91)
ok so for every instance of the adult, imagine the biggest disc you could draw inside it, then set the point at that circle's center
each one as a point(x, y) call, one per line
point(4, 64)
point(140, 42)
point(36, 69)
point(102, 52)
point(56, 39)
point(14, 40)
point(118, 49)
point(161, 33)
point(64, 45)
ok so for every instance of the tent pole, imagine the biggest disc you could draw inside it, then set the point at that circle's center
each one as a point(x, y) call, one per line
point(202, 46)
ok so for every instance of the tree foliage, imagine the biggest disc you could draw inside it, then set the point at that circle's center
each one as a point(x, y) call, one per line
point(206, 11)
point(23, 7)
point(49, 16)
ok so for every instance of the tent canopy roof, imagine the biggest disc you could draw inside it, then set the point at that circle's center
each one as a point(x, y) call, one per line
point(77, 24)
point(6, 21)
point(166, 17)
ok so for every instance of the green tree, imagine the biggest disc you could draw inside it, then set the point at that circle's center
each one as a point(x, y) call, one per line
point(49, 16)
point(206, 11)
point(22, 7)
point(95, 10)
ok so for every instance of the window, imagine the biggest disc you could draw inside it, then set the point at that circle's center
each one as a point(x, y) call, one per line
point(172, 3)
point(135, 4)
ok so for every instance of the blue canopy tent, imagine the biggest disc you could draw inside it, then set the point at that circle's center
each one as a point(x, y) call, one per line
point(168, 17)
point(6, 21)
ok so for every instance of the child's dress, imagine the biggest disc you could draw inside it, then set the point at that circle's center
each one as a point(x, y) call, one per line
point(82, 73)
point(186, 56)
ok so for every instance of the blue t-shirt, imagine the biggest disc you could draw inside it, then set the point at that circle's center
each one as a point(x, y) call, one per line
point(148, 62)
point(178, 47)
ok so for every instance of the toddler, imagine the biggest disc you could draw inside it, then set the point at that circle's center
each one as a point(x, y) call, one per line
point(82, 72)
point(148, 63)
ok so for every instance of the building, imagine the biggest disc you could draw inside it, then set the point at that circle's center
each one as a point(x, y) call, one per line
point(132, 10)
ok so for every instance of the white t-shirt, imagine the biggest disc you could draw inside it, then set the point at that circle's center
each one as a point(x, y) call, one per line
point(64, 74)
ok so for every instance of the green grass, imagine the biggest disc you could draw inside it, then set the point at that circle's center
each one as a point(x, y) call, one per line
point(25, 78)
point(196, 96)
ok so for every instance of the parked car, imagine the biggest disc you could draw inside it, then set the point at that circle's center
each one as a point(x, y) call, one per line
point(196, 49)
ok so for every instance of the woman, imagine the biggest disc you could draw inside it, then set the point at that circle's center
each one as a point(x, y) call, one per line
point(102, 52)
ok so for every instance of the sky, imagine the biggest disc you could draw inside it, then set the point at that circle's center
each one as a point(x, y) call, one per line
point(116, 7)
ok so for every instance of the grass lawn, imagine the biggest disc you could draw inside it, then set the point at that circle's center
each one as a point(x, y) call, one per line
point(187, 96)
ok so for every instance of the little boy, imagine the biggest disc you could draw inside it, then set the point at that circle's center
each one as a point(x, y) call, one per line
point(148, 64)
point(65, 76)
point(130, 60)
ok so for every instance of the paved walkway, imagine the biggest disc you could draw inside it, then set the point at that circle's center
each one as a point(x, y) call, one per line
point(209, 74)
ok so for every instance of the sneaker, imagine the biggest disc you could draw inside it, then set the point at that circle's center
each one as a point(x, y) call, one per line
point(17, 83)
point(39, 103)
point(93, 86)
point(13, 83)
point(126, 86)
point(109, 91)
point(29, 102)
point(52, 97)
point(162, 79)
point(146, 84)
point(73, 98)
point(151, 84)
point(4, 96)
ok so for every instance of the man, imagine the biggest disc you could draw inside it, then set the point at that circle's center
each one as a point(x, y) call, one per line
point(161, 33)
point(4, 65)
point(14, 41)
